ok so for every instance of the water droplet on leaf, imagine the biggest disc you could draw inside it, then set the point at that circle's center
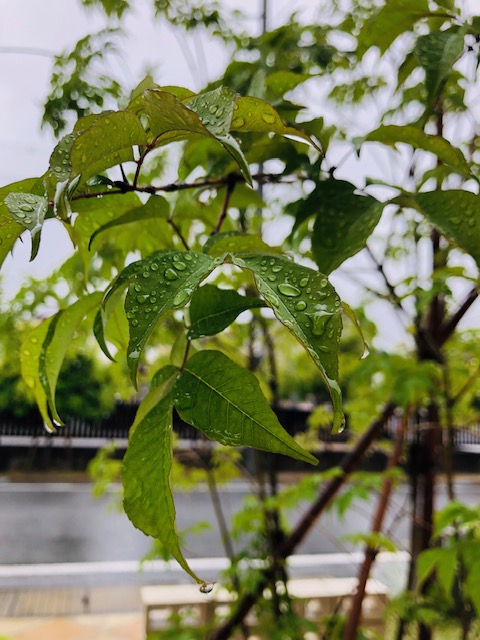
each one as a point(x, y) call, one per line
point(181, 297)
point(170, 274)
point(288, 290)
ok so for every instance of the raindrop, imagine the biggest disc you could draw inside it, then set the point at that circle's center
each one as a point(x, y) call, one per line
point(181, 266)
point(213, 109)
point(188, 257)
point(28, 220)
point(269, 118)
point(154, 266)
point(277, 268)
point(207, 587)
point(238, 122)
point(170, 274)
point(181, 297)
point(288, 290)
point(30, 199)
point(153, 299)
point(274, 300)
point(323, 283)
point(20, 215)
point(220, 111)
point(148, 310)
point(301, 305)
point(130, 314)
point(141, 299)
point(272, 278)
point(303, 282)
point(146, 274)
point(134, 324)
point(137, 288)
point(26, 207)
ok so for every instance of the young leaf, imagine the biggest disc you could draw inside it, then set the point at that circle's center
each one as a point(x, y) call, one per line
point(212, 310)
point(223, 400)
point(237, 242)
point(29, 210)
point(392, 134)
point(148, 499)
point(56, 344)
point(255, 115)
point(155, 207)
point(437, 52)
point(162, 282)
point(307, 304)
point(344, 221)
point(30, 354)
point(107, 142)
point(455, 213)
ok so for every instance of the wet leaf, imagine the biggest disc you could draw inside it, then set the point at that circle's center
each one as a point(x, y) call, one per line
point(418, 139)
point(215, 109)
point(255, 115)
point(155, 207)
point(344, 221)
point(29, 210)
point(225, 401)
point(307, 304)
point(455, 213)
point(212, 310)
point(437, 52)
point(10, 229)
point(107, 142)
point(235, 241)
point(146, 470)
point(162, 282)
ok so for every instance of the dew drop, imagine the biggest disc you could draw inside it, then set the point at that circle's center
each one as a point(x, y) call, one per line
point(170, 274)
point(154, 266)
point(141, 299)
point(134, 324)
point(188, 257)
point(272, 278)
point(152, 299)
point(301, 305)
point(20, 215)
point(303, 282)
point(276, 268)
point(181, 297)
point(26, 207)
point(212, 108)
point(269, 118)
point(181, 266)
point(146, 274)
point(274, 300)
point(137, 288)
point(238, 122)
point(207, 587)
point(288, 290)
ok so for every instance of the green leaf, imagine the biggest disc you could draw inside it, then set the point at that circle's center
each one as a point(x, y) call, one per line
point(212, 310)
point(344, 221)
point(107, 142)
point(215, 109)
point(29, 210)
point(279, 82)
point(171, 120)
point(455, 213)
point(99, 333)
point(437, 52)
point(55, 347)
point(390, 21)
point(255, 115)
point(161, 385)
point(155, 207)
point(307, 304)
point(418, 139)
point(30, 354)
point(162, 282)
point(148, 498)
point(447, 569)
point(349, 312)
point(235, 241)
point(427, 562)
point(224, 400)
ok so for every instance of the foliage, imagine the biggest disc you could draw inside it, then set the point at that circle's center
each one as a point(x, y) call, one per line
point(188, 258)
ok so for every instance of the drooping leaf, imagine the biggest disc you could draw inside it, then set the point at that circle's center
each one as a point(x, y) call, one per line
point(29, 210)
point(307, 304)
point(164, 281)
point(107, 142)
point(60, 164)
point(160, 386)
point(99, 333)
point(344, 221)
point(155, 207)
point(224, 400)
point(56, 344)
point(148, 498)
point(171, 120)
point(388, 22)
point(215, 109)
point(255, 115)
point(418, 139)
point(30, 354)
point(455, 213)
point(237, 242)
point(437, 52)
point(349, 312)
point(212, 310)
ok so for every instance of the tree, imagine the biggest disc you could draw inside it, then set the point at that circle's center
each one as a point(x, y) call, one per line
point(161, 240)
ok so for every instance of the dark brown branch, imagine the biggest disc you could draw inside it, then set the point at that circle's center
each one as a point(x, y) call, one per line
point(349, 464)
point(177, 230)
point(231, 182)
point(393, 296)
point(450, 324)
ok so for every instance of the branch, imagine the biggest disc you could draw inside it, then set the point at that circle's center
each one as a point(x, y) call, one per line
point(349, 464)
point(450, 324)
point(391, 289)
point(231, 182)
point(179, 233)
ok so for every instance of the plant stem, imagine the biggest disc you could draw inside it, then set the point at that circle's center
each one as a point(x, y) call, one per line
point(231, 182)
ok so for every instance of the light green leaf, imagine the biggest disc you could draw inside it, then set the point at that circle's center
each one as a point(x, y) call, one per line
point(155, 207)
point(349, 312)
point(437, 52)
point(390, 21)
point(215, 109)
point(60, 164)
point(447, 569)
point(235, 241)
point(307, 304)
point(212, 310)
point(160, 386)
point(162, 282)
point(105, 142)
point(55, 346)
point(344, 222)
point(171, 120)
point(255, 115)
point(99, 333)
point(427, 562)
point(29, 210)
point(418, 139)
point(148, 498)
point(455, 213)
point(224, 400)
point(279, 82)
point(30, 354)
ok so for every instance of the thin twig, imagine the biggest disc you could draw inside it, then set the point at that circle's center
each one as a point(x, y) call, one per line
point(177, 230)
point(228, 194)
